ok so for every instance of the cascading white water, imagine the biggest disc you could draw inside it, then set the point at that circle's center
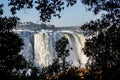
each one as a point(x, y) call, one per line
point(76, 41)
point(40, 46)
point(28, 49)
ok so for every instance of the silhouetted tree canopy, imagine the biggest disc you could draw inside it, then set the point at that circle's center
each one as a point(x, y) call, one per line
point(63, 50)
point(46, 8)
point(110, 18)
point(106, 5)
point(103, 49)
point(12, 65)
point(50, 8)
point(103, 52)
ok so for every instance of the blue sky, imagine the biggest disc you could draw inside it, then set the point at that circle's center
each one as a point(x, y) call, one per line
point(71, 16)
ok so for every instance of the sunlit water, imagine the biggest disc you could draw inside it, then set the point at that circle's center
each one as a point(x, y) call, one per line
point(39, 46)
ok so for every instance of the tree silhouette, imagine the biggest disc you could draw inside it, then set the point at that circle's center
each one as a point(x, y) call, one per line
point(112, 17)
point(46, 8)
point(62, 49)
point(103, 48)
point(104, 52)
point(12, 65)
point(106, 5)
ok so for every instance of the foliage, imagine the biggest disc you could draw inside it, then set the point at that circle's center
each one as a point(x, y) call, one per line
point(12, 65)
point(103, 49)
point(46, 8)
point(71, 74)
point(62, 49)
point(110, 18)
point(105, 5)
point(107, 20)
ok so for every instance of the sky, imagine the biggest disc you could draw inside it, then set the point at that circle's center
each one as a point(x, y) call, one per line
point(76, 15)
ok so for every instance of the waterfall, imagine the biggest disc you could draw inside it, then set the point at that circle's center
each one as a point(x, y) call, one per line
point(40, 46)
point(28, 48)
point(76, 41)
